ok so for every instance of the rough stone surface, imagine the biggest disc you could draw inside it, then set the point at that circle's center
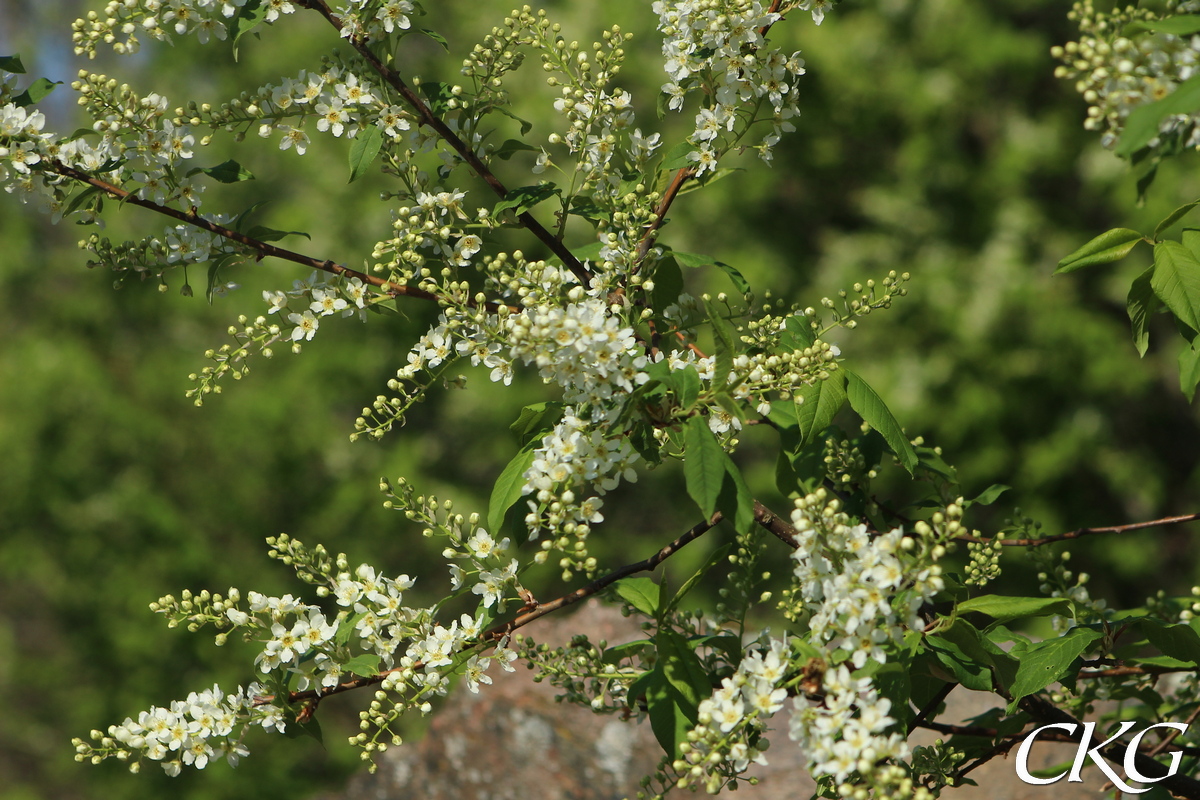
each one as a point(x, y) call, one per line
point(512, 741)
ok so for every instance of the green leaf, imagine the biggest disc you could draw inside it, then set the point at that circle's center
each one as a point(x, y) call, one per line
point(1046, 662)
point(677, 157)
point(508, 488)
point(668, 284)
point(1003, 608)
point(265, 234)
point(687, 386)
point(821, 402)
point(1141, 305)
point(1142, 123)
point(511, 147)
point(311, 729)
point(537, 420)
point(363, 151)
point(226, 172)
point(36, 91)
point(249, 17)
point(741, 509)
point(703, 465)
point(12, 65)
point(988, 495)
point(1176, 641)
point(1174, 217)
point(797, 333)
point(724, 335)
point(78, 200)
point(1176, 281)
point(682, 668)
point(526, 125)
point(214, 275)
point(872, 409)
point(669, 716)
point(365, 665)
point(437, 37)
point(1181, 25)
point(716, 557)
point(1189, 371)
point(641, 593)
point(1107, 247)
point(696, 260)
point(524, 198)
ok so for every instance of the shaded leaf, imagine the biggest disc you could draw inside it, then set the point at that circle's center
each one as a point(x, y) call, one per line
point(641, 593)
point(1180, 25)
point(12, 65)
point(265, 234)
point(696, 260)
point(988, 495)
point(512, 147)
point(524, 198)
point(437, 37)
point(714, 558)
point(536, 420)
point(703, 465)
point(1176, 641)
point(226, 172)
point(1189, 371)
point(1141, 305)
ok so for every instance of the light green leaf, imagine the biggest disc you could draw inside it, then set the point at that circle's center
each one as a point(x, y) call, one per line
point(1142, 123)
point(363, 150)
point(1004, 609)
point(872, 409)
point(1107, 247)
point(1141, 305)
point(508, 489)
point(677, 157)
point(798, 333)
point(703, 465)
point(988, 495)
point(641, 593)
point(365, 665)
point(437, 37)
point(687, 386)
point(1046, 662)
point(249, 17)
point(1176, 281)
point(36, 91)
point(1174, 217)
point(821, 403)
point(536, 420)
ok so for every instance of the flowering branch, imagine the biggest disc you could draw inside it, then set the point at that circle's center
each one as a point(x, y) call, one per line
point(427, 117)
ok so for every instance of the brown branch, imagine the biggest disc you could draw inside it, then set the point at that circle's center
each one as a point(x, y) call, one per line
point(495, 634)
point(660, 213)
point(1122, 671)
point(465, 152)
point(777, 526)
point(1081, 532)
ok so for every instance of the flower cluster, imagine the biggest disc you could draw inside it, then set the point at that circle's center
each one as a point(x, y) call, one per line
point(1118, 68)
point(718, 46)
point(161, 20)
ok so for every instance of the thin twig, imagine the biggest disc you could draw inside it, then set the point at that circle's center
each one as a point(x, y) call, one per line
point(1080, 533)
point(466, 153)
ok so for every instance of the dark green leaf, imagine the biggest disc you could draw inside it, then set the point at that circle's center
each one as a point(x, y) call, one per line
point(1141, 305)
point(669, 717)
point(214, 275)
point(537, 420)
point(363, 150)
point(512, 147)
point(687, 386)
point(437, 37)
point(12, 65)
point(1142, 123)
point(988, 495)
point(872, 409)
point(697, 260)
point(1176, 641)
point(668, 284)
point(797, 333)
point(821, 402)
point(682, 668)
point(36, 91)
point(703, 465)
point(641, 593)
point(1003, 608)
point(1046, 662)
point(508, 488)
point(226, 172)
point(1109, 246)
point(1176, 281)
point(1189, 370)
point(1174, 216)
point(741, 509)
point(78, 200)
point(310, 729)
point(365, 665)
point(524, 198)
point(526, 125)
point(724, 335)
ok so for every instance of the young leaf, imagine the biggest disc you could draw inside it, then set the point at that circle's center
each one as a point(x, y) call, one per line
point(363, 150)
point(508, 488)
point(687, 386)
point(437, 37)
point(1176, 281)
point(1109, 246)
point(537, 420)
point(797, 333)
point(668, 284)
point(677, 157)
point(249, 17)
point(1174, 217)
point(988, 495)
point(265, 234)
point(703, 465)
point(524, 198)
point(1141, 305)
point(365, 665)
point(872, 409)
point(670, 718)
point(526, 125)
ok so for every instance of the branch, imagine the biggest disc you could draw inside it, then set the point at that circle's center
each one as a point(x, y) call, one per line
point(660, 213)
point(465, 152)
point(777, 526)
point(1080, 533)
point(498, 632)
point(920, 719)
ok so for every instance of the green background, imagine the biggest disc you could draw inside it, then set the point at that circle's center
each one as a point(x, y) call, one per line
point(933, 140)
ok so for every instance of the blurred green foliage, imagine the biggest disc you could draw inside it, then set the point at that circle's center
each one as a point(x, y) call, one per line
point(934, 140)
